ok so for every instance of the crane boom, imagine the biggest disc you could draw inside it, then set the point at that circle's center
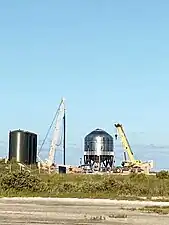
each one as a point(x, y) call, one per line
point(55, 139)
point(125, 142)
point(132, 163)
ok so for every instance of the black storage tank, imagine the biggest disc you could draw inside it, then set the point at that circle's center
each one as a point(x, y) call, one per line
point(62, 169)
point(23, 146)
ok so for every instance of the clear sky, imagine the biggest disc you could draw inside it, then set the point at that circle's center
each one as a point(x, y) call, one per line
point(109, 59)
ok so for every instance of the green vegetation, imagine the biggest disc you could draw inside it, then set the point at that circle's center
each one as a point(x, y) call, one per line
point(150, 209)
point(163, 174)
point(120, 216)
point(156, 209)
point(14, 182)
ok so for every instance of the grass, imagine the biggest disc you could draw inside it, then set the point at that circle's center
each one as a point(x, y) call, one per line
point(119, 216)
point(164, 210)
point(14, 183)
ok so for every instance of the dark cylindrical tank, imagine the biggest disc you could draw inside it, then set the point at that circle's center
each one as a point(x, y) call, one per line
point(98, 142)
point(23, 146)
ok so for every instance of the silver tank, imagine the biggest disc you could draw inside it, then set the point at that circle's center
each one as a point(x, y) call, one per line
point(98, 143)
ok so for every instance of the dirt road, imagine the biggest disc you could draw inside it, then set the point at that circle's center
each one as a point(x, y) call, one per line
point(76, 212)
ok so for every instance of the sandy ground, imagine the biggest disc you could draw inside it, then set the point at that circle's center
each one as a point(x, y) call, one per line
point(76, 212)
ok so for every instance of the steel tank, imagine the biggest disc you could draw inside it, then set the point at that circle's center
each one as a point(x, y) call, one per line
point(23, 146)
point(99, 142)
point(99, 149)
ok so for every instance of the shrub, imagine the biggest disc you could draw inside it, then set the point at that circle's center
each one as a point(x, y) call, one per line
point(162, 174)
point(77, 185)
point(21, 181)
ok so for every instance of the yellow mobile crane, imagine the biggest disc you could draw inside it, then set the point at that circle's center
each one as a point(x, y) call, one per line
point(131, 164)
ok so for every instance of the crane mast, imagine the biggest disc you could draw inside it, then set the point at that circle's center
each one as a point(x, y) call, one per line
point(56, 133)
point(125, 142)
point(127, 149)
point(132, 163)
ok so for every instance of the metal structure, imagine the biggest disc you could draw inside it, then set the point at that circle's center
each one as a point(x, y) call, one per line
point(56, 134)
point(59, 120)
point(23, 146)
point(130, 163)
point(99, 150)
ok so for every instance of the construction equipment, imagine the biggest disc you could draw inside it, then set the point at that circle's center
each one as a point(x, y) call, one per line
point(56, 133)
point(59, 118)
point(75, 169)
point(131, 164)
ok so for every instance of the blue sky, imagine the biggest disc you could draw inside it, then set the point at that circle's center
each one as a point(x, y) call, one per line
point(109, 59)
